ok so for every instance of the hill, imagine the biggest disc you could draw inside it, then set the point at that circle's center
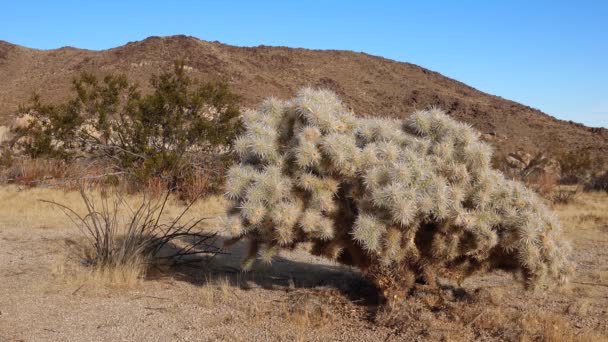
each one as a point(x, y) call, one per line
point(370, 85)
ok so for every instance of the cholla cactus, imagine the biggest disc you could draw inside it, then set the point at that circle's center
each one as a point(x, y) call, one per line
point(399, 199)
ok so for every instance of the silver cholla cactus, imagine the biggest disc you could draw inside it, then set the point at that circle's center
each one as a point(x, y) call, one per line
point(401, 199)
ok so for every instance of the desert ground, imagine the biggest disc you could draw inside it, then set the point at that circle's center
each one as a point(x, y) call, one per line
point(46, 294)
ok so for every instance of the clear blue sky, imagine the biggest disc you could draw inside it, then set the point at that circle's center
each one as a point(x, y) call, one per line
point(551, 55)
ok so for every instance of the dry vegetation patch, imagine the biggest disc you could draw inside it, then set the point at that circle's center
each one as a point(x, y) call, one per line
point(30, 208)
point(297, 297)
point(586, 216)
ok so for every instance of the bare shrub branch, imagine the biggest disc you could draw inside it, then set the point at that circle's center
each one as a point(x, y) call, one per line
point(120, 234)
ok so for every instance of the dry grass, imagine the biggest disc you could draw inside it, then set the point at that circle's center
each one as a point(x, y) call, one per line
point(551, 327)
point(22, 207)
point(119, 276)
point(585, 216)
point(305, 311)
point(214, 291)
point(68, 270)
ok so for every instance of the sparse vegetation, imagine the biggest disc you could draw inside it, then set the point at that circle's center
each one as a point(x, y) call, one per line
point(565, 194)
point(177, 133)
point(557, 176)
point(576, 166)
point(598, 183)
point(316, 305)
point(402, 200)
point(123, 242)
point(414, 205)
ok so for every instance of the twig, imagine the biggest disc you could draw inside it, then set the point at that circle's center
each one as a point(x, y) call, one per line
point(475, 318)
point(78, 289)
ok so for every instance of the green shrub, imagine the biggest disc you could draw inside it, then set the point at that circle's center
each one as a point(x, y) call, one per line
point(161, 134)
point(400, 199)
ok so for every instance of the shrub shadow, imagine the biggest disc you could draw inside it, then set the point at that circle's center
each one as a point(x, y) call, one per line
point(289, 271)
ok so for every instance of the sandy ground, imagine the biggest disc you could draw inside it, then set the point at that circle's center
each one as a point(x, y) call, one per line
point(298, 297)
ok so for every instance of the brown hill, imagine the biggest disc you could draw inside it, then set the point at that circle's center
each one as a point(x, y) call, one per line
point(370, 85)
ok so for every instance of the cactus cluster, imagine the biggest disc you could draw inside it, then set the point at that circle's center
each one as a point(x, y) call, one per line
point(400, 199)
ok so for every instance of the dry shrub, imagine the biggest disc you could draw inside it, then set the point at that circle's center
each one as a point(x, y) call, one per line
point(223, 285)
point(34, 172)
point(544, 184)
point(122, 242)
point(121, 275)
point(193, 187)
point(598, 183)
point(65, 175)
point(565, 195)
point(156, 187)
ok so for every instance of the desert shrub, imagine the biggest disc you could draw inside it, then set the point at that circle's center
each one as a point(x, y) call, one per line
point(544, 184)
point(402, 200)
point(565, 194)
point(126, 239)
point(598, 183)
point(34, 172)
point(162, 134)
point(578, 166)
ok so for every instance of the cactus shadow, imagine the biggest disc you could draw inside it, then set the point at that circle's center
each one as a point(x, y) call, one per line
point(289, 271)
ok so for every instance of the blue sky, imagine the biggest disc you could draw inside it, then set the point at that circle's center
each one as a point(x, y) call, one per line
point(551, 55)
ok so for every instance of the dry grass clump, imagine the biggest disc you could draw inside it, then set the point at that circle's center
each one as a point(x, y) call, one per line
point(307, 309)
point(214, 291)
point(564, 194)
point(400, 199)
point(69, 266)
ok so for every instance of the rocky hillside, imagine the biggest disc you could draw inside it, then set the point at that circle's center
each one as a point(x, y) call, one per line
point(370, 85)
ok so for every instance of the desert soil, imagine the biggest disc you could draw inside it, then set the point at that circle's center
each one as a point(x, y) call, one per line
point(297, 297)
